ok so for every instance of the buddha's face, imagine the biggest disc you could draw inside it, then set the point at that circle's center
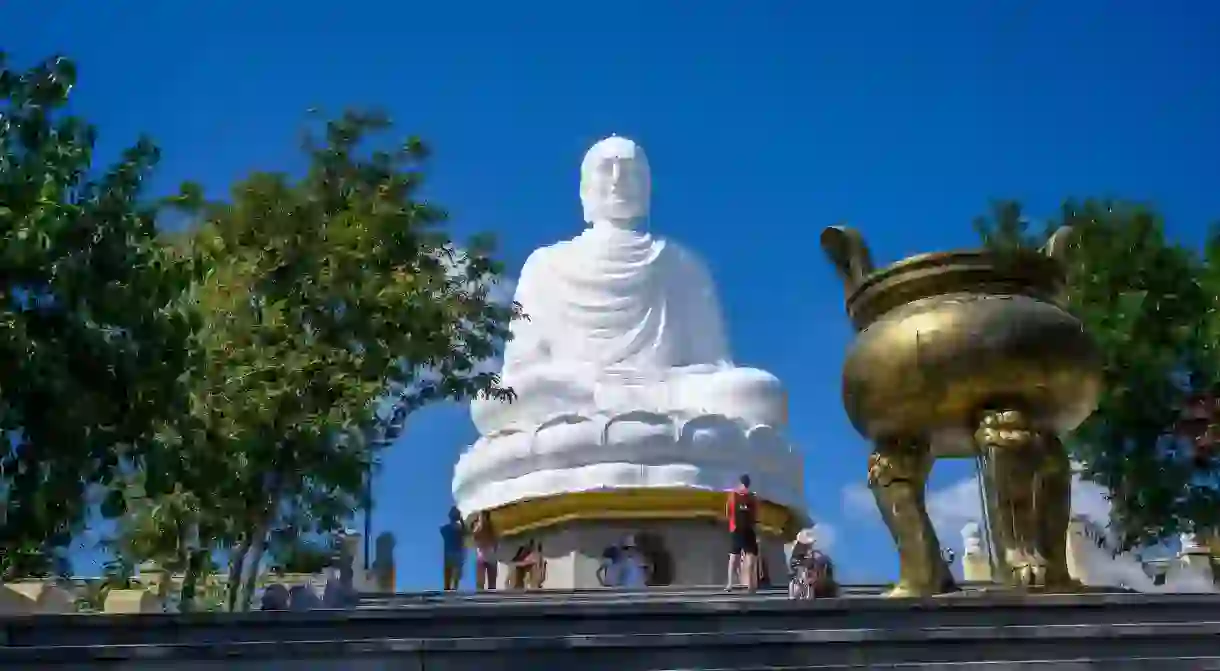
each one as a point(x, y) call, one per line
point(615, 182)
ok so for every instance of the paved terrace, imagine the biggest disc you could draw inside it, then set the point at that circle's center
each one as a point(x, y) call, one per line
point(603, 630)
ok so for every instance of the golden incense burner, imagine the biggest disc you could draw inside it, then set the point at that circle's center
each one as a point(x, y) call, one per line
point(968, 354)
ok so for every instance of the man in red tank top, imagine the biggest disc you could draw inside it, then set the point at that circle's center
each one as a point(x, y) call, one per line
point(741, 511)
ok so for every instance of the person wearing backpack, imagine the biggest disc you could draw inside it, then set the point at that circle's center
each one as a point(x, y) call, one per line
point(741, 509)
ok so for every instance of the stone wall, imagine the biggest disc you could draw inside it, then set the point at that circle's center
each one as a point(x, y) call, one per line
point(50, 596)
point(636, 632)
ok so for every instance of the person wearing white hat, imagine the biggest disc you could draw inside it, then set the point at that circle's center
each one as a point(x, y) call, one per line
point(808, 566)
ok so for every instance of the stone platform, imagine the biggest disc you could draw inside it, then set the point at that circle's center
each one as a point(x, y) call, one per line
point(617, 631)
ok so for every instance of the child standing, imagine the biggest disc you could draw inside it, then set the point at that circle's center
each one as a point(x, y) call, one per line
point(453, 538)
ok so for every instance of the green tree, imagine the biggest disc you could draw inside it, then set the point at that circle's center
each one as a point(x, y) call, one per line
point(1142, 298)
point(324, 296)
point(1202, 497)
point(91, 345)
point(294, 553)
point(163, 529)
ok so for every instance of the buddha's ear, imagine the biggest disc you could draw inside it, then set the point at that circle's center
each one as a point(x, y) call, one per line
point(845, 248)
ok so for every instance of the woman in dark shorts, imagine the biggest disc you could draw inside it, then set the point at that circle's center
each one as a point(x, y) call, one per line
point(741, 509)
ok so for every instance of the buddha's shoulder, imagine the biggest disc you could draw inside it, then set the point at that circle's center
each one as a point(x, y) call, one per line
point(686, 257)
point(540, 264)
point(666, 251)
point(541, 256)
point(679, 250)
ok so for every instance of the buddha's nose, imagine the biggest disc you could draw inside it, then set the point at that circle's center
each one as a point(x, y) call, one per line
point(616, 169)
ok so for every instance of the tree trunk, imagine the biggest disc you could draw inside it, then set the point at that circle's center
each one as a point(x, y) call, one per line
point(236, 564)
point(195, 562)
point(258, 538)
point(254, 560)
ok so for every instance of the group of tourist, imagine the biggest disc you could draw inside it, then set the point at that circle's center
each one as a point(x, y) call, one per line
point(527, 568)
point(456, 535)
point(625, 565)
point(810, 573)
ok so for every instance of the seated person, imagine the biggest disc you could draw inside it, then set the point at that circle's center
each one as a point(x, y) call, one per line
point(811, 573)
point(607, 573)
point(633, 568)
point(527, 569)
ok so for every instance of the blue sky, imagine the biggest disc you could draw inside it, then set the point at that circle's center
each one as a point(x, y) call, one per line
point(764, 122)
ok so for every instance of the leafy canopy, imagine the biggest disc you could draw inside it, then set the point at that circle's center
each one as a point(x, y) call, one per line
point(1147, 302)
point(91, 342)
point(327, 303)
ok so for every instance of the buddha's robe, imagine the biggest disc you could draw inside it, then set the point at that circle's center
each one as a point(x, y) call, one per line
point(620, 321)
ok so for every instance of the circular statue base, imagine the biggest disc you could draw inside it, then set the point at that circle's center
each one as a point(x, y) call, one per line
point(681, 532)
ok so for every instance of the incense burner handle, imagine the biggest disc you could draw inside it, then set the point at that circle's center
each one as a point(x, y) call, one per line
point(849, 254)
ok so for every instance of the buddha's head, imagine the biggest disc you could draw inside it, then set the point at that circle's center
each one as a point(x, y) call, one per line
point(615, 183)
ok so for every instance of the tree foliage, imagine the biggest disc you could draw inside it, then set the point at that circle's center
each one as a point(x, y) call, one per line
point(324, 297)
point(91, 345)
point(1147, 302)
point(227, 387)
point(297, 553)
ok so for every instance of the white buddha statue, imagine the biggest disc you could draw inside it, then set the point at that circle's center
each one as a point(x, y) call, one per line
point(622, 365)
point(621, 320)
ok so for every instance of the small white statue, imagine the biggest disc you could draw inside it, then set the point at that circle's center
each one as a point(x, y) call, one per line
point(972, 539)
point(620, 320)
point(976, 566)
point(1191, 545)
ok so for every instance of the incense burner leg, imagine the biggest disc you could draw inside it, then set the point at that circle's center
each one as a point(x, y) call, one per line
point(1054, 509)
point(897, 475)
point(1029, 479)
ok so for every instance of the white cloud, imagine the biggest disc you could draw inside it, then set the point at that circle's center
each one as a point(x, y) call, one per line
point(858, 502)
point(502, 291)
point(956, 505)
point(952, 507)
point(826, 535)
